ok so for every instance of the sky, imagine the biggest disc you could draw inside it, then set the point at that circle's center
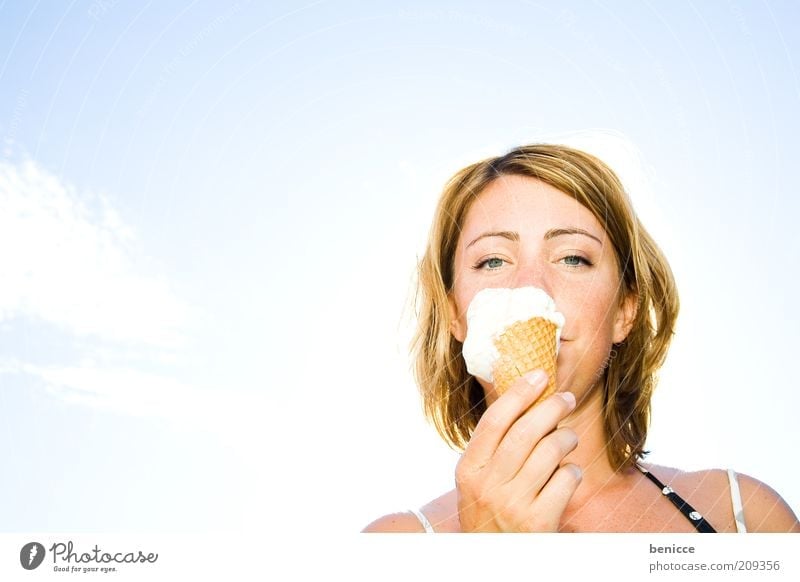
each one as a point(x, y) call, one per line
point(211, 213)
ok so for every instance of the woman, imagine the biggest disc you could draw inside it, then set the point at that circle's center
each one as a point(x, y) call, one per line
point(556, 218)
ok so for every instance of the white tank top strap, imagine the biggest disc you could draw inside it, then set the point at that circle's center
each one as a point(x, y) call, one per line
point(736, 502)
point(423, 520)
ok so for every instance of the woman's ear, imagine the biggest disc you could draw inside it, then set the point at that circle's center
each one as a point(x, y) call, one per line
point(626, 315)
point(457, 327)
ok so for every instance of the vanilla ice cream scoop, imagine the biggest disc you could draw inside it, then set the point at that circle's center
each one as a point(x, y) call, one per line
point(511, 332)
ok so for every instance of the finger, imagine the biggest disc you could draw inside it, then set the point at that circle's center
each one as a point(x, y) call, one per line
point(499, 417)
point(527, 431)
point(553, 499)
point(548, 454)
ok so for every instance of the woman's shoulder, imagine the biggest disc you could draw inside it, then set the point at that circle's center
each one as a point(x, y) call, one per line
point(405, 522)
point(764, 509)
point(441, 513)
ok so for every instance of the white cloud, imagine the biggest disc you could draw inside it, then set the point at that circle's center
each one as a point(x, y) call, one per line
point(124, 390)
point(70, 263)
point(68, 259)
point(234, 416)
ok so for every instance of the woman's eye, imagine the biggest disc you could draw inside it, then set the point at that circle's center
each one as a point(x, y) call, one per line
point(491, 263)
point(494, 263)
point(575, 261)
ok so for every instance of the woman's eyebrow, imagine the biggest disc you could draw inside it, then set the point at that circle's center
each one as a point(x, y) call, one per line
point(554, 232)
point(510, 235)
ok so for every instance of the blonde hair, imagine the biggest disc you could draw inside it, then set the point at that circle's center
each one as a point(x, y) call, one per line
point(453, 399)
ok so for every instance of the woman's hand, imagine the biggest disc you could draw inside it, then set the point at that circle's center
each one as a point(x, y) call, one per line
point(509, 477)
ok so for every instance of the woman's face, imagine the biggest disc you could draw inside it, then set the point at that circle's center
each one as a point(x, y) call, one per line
point(520, 232)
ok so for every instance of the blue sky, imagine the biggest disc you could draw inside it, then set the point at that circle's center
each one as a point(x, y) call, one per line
point(211, 214)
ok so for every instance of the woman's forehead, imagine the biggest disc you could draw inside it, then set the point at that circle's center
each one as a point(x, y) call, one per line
point(527, 205)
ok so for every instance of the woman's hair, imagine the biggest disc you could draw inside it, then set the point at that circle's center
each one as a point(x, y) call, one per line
point(453, 399)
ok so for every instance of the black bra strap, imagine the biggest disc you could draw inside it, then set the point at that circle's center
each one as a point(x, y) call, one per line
point(697, 520)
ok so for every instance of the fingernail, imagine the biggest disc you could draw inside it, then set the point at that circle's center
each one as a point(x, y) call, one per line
point(569, 398)
point(534, 378)
point(577, 470)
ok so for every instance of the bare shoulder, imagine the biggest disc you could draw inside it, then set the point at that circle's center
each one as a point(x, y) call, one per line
point(395, 522)
point(442, 513)
point(764, 509)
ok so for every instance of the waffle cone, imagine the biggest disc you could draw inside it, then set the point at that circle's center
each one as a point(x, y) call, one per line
point(526, 346)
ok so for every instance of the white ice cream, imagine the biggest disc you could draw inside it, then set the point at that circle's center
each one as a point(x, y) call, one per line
point(491, 312)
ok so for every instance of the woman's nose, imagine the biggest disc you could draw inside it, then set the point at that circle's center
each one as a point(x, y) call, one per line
point(532, 274)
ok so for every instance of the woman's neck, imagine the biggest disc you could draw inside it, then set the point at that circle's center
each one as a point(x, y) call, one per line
point(590, 454)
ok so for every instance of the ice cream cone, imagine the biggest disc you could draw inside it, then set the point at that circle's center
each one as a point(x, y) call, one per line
point(511, 332)
point(523, 347)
